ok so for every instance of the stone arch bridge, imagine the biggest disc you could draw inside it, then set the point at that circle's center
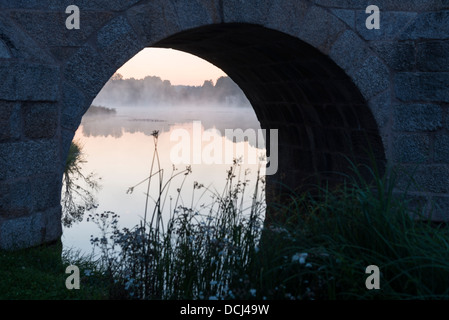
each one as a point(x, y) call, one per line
point(310, 68)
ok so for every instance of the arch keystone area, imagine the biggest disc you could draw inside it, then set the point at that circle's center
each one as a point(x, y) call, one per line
point(310, 68)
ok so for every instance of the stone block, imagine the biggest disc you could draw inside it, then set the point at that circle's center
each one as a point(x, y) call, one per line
point(40, 24)
point(196, 13)
point(10, 121)
point(424, 178)
point(441, 148)
point(428, 25)
point(345, 15)
point(433, 56)
point(51, 225)
point(24, 196)
point(399, 56)
point(4, 51)
point(321, 29)
point(21, 232)
point(154, 21)
point(24, 4)
point(422, 86)
point(409, 5)
point(417, 117)
point(46, 191)
point(380, 106)
point(18, 44)
point(117, 42)
point(287, 16)
point(349, 51)
point(439, 209)
point(88, 70)
point(15, 199)
point(412, 148)
point(113, 5)
point(29, 82)
point(40, 120)
point(372, 78)
point(28, 158)
point(391, 24)
point(74, 105)
point(246, 11)
point(32, 230)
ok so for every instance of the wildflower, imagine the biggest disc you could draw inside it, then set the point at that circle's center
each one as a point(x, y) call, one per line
point(300, 257)
point(129, 283)
point(155, 133)
point(252, 292)
point(130, 190)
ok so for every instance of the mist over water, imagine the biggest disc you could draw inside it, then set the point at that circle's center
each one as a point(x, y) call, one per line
point(163, 117)
point(153, 91)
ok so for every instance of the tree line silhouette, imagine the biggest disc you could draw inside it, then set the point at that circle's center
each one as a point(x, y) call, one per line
point(152, 90)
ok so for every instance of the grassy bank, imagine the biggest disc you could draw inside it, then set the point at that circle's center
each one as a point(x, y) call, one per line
point(39, 273)
point(321, 252)
point(319, 249)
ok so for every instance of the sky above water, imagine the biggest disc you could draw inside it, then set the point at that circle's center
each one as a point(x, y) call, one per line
point(178, 67)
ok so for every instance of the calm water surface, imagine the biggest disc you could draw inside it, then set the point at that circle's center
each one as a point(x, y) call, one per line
point(119, 149)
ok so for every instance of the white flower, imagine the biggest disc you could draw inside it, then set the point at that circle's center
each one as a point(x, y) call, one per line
point(300, 257)
point(252, 292)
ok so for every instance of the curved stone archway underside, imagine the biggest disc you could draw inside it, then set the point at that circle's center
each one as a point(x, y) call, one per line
point(310, 68)
point(322, 118)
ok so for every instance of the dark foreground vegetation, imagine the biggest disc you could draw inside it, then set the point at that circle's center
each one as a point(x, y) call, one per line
point(224, 251)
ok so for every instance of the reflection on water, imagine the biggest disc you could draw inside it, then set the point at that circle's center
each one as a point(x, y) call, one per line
point(119, 150)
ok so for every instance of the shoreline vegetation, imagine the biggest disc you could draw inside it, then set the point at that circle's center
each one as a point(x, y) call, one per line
point(318, 250)
point(154, 91)
point(94, 111)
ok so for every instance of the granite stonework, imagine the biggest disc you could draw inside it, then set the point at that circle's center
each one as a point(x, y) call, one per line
point(310, 68)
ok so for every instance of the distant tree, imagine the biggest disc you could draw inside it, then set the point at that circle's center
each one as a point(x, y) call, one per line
point(117, 76)
point(152, 90)
point(208, 85)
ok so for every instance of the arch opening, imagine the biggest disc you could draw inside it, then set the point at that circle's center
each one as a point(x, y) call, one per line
point(209, 128)
point(321, 116)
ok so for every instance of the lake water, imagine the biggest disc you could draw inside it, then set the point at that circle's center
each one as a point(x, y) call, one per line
point(119, 150)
